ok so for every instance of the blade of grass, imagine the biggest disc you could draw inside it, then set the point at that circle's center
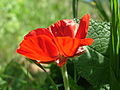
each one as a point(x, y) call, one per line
point(115, 46)
point(75, 14)
point(52, 82)
point(99, 6)
point(75, 8)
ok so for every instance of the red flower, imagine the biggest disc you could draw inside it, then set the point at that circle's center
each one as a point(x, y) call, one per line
point(56, 43)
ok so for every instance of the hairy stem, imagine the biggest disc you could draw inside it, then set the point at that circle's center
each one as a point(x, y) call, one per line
point(65, 77)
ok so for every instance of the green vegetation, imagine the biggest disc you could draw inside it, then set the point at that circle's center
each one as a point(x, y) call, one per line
point(91, 70)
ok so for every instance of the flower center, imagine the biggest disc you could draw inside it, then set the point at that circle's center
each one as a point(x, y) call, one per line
point(61, 60)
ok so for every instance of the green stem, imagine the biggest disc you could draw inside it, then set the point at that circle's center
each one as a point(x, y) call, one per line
point(115, 49)
point(53, 83)
point(75, 8)
point(65, 77)
point(75, 72)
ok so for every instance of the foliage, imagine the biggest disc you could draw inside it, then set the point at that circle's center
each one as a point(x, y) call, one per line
point(94, 64)
point(104, 9)
point(15, 76)
point(89, 71)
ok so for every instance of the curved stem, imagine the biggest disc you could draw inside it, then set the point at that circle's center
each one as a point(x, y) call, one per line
point(65, 77)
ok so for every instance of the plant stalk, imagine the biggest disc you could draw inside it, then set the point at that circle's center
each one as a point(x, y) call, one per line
point(115, 46)
point(75, 8)
point(65, 77)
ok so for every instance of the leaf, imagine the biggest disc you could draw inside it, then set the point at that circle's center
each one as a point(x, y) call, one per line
point(93, 65)
point(100, 32)
point(2, 82)
point(73, 85)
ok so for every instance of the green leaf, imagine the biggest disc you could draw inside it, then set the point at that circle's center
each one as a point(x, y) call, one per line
point(100, 32)
point(2, 82)
point(93, 65)
point(74, 85)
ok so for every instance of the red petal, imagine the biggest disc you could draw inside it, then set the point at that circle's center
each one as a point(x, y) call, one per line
point(83, 27)
point(86, 42)
point(39, 31)
point(67, 46)
point(65, 27)
point(39, 48)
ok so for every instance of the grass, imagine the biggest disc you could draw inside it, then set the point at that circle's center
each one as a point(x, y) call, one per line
point(115, 46)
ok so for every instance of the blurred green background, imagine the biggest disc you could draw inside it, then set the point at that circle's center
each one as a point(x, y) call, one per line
point(17, 18)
